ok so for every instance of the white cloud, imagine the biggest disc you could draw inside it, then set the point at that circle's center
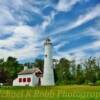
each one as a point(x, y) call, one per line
point(46, 22)
point(82, 19)
point(66, 5)
point(48, 19)
point(92, 32)
point(6, 16)
point(12, 23)
point(63, 43)
point(79, 53)
point(17, 11)
point(21, 34)
point(13, 15)
point(91, 14)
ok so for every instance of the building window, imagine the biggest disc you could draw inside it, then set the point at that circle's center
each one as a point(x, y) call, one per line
point(28, 79)
point(24, 79)
point(20, 79)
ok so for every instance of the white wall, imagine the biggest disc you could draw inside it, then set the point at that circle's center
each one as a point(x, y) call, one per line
point(34, 80)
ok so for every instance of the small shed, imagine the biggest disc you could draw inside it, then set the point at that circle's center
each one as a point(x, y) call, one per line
point(28, 77)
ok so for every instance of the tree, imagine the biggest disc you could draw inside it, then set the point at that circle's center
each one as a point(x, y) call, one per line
point(73, 70)
point(12, 66)
point(90, 70)
point(98, 68)
point(79, 75)
point(62, 70)
point(3, 73)
point(9, 70)
point(39, 63)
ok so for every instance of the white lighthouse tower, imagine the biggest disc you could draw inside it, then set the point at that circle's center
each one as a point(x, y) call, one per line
point(48, 74)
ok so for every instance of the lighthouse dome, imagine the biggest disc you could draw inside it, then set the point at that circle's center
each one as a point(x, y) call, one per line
point(47, 41)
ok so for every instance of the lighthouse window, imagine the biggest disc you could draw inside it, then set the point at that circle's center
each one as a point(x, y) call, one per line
point(28, 79)
point(45, 55)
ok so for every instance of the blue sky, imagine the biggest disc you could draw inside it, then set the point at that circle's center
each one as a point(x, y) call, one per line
point(72, 25)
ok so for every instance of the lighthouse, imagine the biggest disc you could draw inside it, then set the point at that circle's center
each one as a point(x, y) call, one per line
point(48, 72)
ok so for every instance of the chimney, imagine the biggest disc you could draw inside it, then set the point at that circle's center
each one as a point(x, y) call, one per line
point(25, 67)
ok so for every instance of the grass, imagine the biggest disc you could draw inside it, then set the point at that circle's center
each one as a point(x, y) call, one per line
point(73, 92)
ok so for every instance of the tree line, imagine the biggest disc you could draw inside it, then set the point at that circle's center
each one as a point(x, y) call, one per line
point(68, 72)
point(65, 71)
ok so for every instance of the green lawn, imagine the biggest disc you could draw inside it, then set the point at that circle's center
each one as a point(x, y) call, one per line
point(73, 92)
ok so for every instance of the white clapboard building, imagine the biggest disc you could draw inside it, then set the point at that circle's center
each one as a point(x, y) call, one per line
point(28, 77)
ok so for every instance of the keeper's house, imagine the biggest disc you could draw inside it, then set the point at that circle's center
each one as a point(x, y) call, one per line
point(28, 77)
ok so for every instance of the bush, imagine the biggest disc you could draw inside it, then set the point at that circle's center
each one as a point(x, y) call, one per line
point(97, 82)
